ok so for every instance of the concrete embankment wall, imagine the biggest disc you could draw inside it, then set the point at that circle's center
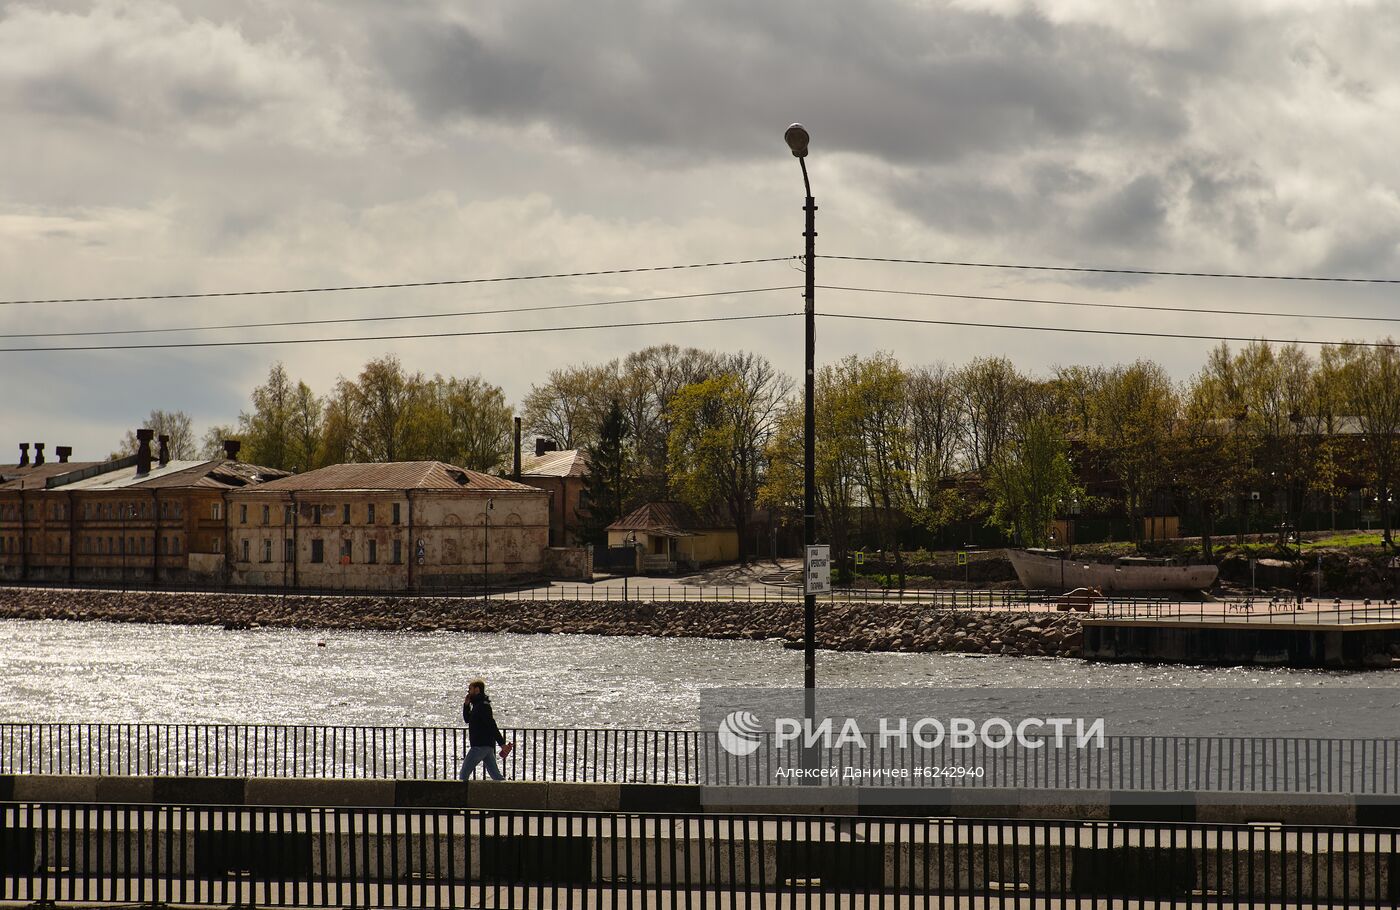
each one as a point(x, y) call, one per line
point(599, 834)
point(875, 626)
point(970, 803)
point(1335, 646)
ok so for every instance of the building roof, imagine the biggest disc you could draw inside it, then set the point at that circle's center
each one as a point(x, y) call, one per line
point(217, 474)
point(667, 519)
point(394, 475)
point(29, 477)
point(563, 463)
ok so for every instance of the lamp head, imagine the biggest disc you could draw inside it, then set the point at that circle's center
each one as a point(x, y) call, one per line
point(797, 139)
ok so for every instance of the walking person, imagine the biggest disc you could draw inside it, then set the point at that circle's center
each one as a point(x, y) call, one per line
point(483, 736)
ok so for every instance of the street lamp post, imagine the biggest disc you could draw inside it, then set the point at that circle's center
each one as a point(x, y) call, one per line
point(798, 139)
point(121, 511)
point(486, 552)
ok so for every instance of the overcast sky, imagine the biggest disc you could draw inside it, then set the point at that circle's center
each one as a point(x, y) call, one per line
point(159, 147)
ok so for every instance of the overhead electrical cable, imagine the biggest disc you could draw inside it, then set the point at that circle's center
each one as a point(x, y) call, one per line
point(1112, 271)
point(1080, 331)
point(351, 319)
point(1108, 306)
point(397, 284)
point(481, 332)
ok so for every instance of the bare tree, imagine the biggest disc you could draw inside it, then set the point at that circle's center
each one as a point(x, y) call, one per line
point(175, 424)
point(990, 390)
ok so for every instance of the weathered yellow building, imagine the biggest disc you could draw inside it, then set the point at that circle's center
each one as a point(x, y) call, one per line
point(672, 535)
point(388, 527)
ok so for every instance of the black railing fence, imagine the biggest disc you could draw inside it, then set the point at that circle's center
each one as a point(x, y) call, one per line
point(1120, 763)
point(347, 857)
point(642, 590)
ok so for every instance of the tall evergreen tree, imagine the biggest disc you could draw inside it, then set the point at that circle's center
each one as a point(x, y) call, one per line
point(605, 486)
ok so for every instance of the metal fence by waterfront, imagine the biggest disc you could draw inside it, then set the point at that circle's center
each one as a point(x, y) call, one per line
point(1142, 764)
point(448, 858)
point(638, 590)
point(1280, 610)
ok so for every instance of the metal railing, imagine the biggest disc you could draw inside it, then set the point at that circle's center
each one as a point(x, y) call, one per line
point(409, 858)
point(1141, 764)
point(1280, 610)
point(1008, 598)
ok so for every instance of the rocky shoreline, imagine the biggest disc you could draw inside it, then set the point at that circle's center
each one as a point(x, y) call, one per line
point(840, 627)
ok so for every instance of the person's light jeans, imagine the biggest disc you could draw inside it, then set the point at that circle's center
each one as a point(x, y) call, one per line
point(477, 755)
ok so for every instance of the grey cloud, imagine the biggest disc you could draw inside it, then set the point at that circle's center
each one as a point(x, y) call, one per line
point(720, 78)
point(1129, 217)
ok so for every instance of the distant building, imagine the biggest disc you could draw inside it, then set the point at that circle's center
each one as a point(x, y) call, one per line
point(387, 526)
point(144, 518)
point(562, 474)
point(672, 534)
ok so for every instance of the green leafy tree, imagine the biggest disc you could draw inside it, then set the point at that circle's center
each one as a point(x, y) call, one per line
point(211, 445)
point(266, 429)
point(1132, 414)
point(468, 423)
point(1370, 379)
point(1027, 479)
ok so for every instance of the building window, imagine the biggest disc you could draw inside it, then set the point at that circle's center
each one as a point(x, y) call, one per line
point(286, 515)
point(345, 515)
point(267, 550)
point(175, 545)
point(369, 514)
point(316, 515)
point(245, 550)
point(318, 551)
point(345, 552)
point(218, 544)
point(396, 513)
point(398, 549)
point(373, 555)
point(289, 551)
point(243, 514)
point(267, 515)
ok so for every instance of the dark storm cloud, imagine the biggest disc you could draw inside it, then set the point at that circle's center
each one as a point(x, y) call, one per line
point(713, 78)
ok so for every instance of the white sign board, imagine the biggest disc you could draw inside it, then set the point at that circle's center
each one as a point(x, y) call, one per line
point(819, 569)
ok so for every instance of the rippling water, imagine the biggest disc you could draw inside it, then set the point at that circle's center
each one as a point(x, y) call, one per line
point(67, 671)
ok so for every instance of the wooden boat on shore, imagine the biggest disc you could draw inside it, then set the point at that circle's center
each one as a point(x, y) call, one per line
point(1051, 570)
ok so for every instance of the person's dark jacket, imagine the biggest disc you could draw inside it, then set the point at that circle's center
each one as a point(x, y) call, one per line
point(481, 723)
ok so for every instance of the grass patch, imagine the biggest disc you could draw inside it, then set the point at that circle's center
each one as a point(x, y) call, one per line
point(1354, 539)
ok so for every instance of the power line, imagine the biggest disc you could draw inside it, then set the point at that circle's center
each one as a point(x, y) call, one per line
point(1109, 306)
point(1077, 331)
point(1108, 271)
point(350, 319)
point(247, 343)
point(398, 284)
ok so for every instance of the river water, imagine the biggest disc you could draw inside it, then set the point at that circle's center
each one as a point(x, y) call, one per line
point(103, 672)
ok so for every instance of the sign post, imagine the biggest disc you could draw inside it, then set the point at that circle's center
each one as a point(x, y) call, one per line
point(818, 570)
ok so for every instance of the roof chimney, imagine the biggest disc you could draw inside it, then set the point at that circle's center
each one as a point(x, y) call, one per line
point(63, 453)
point(164, 455)
point(38, 454)
point(143, 450)
point(515, 474)
point(231, 447)
point(24, 454)
point(543, 445)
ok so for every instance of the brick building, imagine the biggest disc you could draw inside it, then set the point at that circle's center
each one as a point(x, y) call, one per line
point(144, 518)
point(388, 527)
point(560, 473)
